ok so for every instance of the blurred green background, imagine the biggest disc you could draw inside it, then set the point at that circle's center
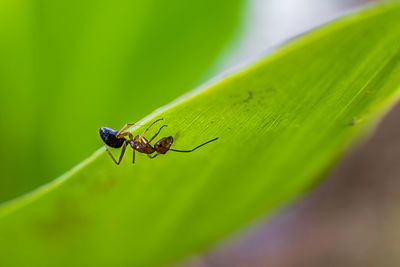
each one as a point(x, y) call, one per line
point(70, 67)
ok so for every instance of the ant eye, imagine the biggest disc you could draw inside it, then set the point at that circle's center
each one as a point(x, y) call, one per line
point(158, 144)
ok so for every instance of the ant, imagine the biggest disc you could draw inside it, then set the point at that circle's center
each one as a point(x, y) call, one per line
point(115, 139)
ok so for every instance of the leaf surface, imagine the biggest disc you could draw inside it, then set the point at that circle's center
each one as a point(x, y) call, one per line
point(282, 123)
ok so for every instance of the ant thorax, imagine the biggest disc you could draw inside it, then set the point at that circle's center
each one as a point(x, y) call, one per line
point(142, 148)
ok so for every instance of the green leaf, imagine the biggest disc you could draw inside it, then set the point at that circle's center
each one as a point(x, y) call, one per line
point(69, 67)
point(282, 123)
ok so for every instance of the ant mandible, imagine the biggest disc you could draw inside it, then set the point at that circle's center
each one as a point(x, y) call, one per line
point(115, 139)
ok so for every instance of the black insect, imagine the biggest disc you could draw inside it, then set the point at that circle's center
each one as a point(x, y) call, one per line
point(112, 138)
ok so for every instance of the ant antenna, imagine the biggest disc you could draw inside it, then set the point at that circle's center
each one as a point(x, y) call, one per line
point(195, 147)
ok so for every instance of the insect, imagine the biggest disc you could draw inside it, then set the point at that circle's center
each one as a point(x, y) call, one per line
point(112, 138)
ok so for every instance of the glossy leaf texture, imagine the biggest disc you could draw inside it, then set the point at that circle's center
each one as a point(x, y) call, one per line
point(282, 123)
point(69, 67)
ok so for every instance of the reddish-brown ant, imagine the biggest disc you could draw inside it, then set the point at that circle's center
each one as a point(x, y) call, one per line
point(115, 139)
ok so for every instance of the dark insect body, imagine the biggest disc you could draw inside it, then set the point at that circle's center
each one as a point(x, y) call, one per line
point(114, 139)
point(110, 138)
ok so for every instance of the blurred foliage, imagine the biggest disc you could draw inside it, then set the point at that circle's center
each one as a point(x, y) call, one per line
point(282, 124)
point(69, 67)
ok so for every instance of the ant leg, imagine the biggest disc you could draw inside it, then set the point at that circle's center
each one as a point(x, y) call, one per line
point(146, 142)
point(125, 134)
point(109, 153)
point(152, 157)
point(195, 147)
point(151, 139)
point(120, 156)
point(145, 131)
point(133, 156)
point(122, 153)
point(123, 128)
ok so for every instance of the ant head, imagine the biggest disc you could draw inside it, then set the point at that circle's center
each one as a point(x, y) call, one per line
point(109, 137)
point(163, 145)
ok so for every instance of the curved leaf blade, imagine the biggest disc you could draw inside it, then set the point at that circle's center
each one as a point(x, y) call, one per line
point(282, 123)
